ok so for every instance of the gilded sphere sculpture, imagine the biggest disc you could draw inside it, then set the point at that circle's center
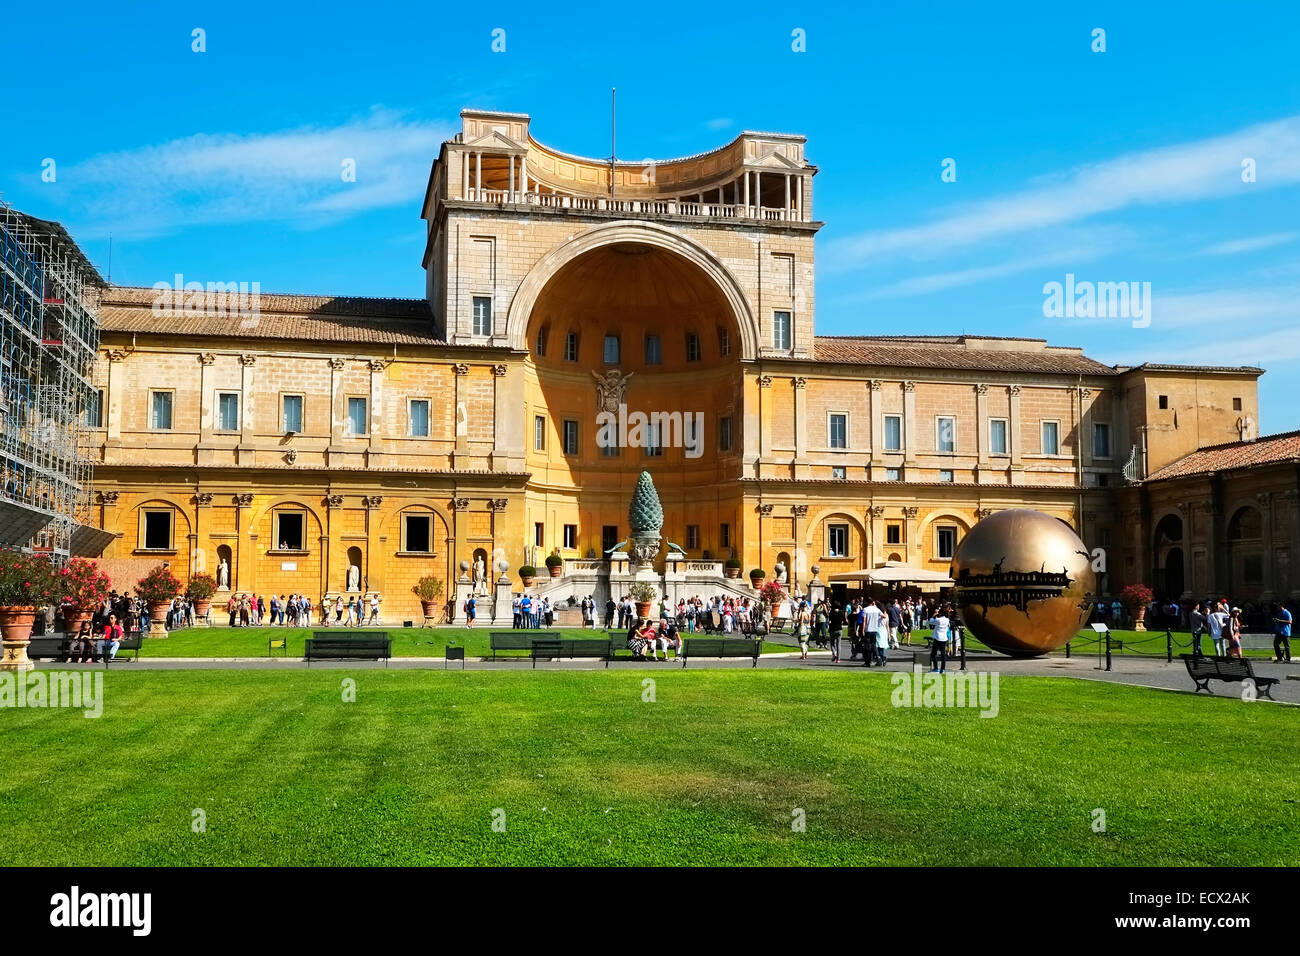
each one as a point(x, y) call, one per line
point(1023, 582)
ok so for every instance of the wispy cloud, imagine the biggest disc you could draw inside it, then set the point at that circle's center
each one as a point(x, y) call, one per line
point(1190, 171)
point(1229, 310)
point(721, 122)
point(1252, 244)
point(293, 176)
point(940, 281)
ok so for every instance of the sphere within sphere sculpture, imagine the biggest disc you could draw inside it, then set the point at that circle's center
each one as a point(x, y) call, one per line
point(1024, 582)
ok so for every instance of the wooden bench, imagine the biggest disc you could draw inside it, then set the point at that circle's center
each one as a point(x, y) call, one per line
point(1202, 670)
point(719, 647)
point(521, 640)
point(131, 642)
point(348, 645)
point(54, 648)
point(572, 647)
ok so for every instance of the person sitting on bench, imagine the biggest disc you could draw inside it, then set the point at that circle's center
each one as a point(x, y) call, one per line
point(640, 639)
point(82, 648)
point(112, 637)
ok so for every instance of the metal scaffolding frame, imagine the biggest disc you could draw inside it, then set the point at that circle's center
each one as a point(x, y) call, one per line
point(49, 334)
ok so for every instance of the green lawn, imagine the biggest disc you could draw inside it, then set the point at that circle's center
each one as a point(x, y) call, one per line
point(587, 772)
point(407, 642)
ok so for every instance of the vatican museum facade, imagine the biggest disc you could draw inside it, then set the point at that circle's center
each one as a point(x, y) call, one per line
point(584, 322)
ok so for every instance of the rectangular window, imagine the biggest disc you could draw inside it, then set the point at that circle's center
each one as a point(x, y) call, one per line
point(157, 532)
point(609, 450)
point(838, 428)
point(227, 412)
point(570, 438)
point(1164, 401)
point(571, 347)
point(1100, 440)
point(608, 537)
point(418, 412)
point(482, 315)
point(724, 536)
point(289, 534)
point(893, 433)
point(1051, 438)
point(1103, 537)
point(692, 537)
point(1236, 404)
point(945, 474)
point(541, 339)
point(539, 433)
point(418, 532)
point(571, 536)
point(837, 540)
point(945, 542)
point(358, 420)
point(998, 436)
point(654, 440)
point(724, 341)
point(291, 413)
point(539, 534)
point(654, 353)
point(945, 437)
point(781, 330)
point(95, 409)
point(893, 533)
point(893, 474)
point(839, 471)
point(612, 350)
point(160, 410)
point(724, 433)
point(692, 347)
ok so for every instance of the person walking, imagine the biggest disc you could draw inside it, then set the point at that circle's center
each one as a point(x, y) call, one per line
point(941, 625)
point(1282, 635)
point(1198, 627)
point(873, 619)
point(1217, 621)
point(471, 611)
point(1234, 633)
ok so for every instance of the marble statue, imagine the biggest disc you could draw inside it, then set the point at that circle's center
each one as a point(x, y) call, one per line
point(780, 572)
point(354, 578)
point(223, 575)
point(480, 576)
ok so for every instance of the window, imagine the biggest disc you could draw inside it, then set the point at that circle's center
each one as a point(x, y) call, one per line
point(692, 537)
point(945, 434)
point(418, 413)
point(1103, 481)
point(1164, 401)
point(157, 530)
point(539, 533)
point(654, 440)
point(160, 410)
point(724, 433)
point(724, 535)
point(95, 409)
point(608, 537)
point(692, 347)
point(541, 339)
point(838, 430)
point(358, 423)
point(571, 347)
point(291, 413)
point(1103, 537)
point(227, 412)
point(539, 433)
point(289, 534)
point(482, 315)
point(417, 532)
point(893, 433)
point(724, 341)
point(609, 450)
point(998, 436)
point(654, 353)
point(612, 351)
point(570, 438)
point(893, 474)
point(570, 535)
point(1051, 438)
point(1236, 404)
point(837, 540)
point(781, 330)
point(1100, 440)
point(839, 471)
point(893, 533)
point(945, 542)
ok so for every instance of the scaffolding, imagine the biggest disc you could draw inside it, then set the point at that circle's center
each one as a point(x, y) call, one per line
point(49, 334)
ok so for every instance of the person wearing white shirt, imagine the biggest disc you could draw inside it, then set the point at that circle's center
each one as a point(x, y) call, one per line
point(1218, 623)
point(942, 624)
point(873, 621)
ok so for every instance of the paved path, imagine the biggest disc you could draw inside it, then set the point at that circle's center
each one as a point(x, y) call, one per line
point(1143, 672)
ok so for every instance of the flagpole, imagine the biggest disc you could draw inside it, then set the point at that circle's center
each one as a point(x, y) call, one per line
point(613, 151)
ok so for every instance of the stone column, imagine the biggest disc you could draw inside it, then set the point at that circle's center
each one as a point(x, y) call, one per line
point(247, 404)
point(460, 554)
point(910, 540)
point(337, 411)
point(875, 426)
point(982, 424)
point(1013, 431)
point(876, 531)
point(462, 409)
point(113, 398)
point(800, 556)
point(372, 576)
point(377, 416)
point(765, 404)
point(108, 519)
point(206, 400)
point(800, 426)
point(909, 429)
point(510, 428)
point(244, 576)
point(331, 541)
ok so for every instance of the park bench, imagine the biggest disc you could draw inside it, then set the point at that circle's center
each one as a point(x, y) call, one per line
point(572, 647)
point(54, 648)
point(1202, 670)
point(518, 640)
point(348, 645)
point(131, 642)
point(719, 647)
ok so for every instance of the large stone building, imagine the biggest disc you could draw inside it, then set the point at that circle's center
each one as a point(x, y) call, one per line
point(309, 435)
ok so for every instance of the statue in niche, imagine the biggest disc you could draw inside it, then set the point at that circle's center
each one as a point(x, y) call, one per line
point(780, 572)
point(223, 576)
point(354, 578)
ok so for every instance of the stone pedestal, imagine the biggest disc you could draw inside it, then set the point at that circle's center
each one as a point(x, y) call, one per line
point(157, 628)
point(464, 588)
point(502, 605)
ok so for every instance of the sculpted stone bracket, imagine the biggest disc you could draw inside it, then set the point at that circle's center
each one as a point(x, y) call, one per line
point(460, 504)
point(244, 500)
point(373, 501)
point(497, 504)
point(334, 501)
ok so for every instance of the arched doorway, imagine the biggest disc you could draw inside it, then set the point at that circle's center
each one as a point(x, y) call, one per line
point(1168, 579)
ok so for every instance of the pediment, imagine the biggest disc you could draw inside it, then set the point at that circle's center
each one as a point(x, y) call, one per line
point(775, 159)
point(495, 139)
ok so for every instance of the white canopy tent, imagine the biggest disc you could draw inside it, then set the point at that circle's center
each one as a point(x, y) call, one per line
point(893, 573)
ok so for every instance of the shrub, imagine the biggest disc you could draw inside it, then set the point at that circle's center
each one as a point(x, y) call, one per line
point(159, 586)
point(1135, 595)
point(528, 571)
point(554, 560)
point(201, 587)
point(757, 573)
point(643, 592)
point(428, 588)
point(83, 584)
point(26, 580)
point(732, 562)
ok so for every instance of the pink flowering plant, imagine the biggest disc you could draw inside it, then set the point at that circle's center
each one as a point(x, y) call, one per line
point(771, 593)
point(82, 584)
point(159, 586)
point(26, 580)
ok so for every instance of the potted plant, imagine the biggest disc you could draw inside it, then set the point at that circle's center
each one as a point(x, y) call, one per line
point(157, 590)
point(1136, 598)
point(27, 584)
point(731, 567)
point(428, 589)
point(756, 576)
point(84, 588)
point(554, 564)
point(772, 594)
point(527, 574)
point(643, 593)
point(200, 591)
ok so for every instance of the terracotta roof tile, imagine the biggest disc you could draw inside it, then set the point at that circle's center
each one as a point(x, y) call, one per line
point(953, 352)
point(1269, 450)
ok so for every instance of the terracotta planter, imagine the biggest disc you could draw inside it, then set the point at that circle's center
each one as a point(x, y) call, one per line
point(756, 583)
point(430, 607)
point(201, 608)
point(643, 609)
point(73, 618)
point(555, 571)
point(1139, 616)
point(775, 609)
point(16, 630)
point(527, 581)
point(731, 572)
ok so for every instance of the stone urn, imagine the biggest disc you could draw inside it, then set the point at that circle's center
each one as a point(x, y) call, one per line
point(1139, 617)
point(430, 608)
point(16, 631)
point(158, 618)
point(201, 609)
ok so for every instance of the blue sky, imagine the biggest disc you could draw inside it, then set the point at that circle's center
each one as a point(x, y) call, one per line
point(1122, 166)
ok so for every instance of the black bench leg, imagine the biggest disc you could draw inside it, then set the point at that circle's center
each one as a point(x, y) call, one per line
point(1266, 690)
